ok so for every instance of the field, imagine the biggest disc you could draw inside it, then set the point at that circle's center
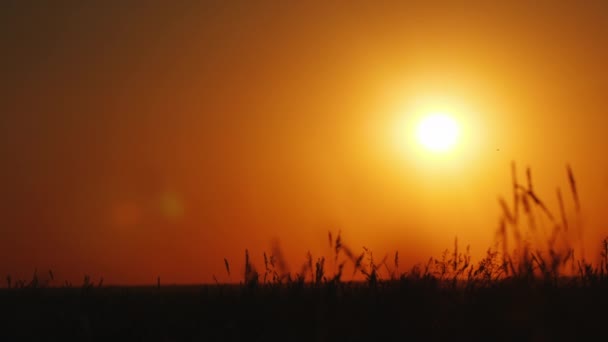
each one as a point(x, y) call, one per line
point(527, 292)
point(397, 310)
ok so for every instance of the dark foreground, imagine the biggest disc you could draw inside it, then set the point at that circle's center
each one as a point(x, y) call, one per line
point(393, 311)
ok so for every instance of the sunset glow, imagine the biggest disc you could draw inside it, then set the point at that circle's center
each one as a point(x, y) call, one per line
point(346, 170)
point(159, 140)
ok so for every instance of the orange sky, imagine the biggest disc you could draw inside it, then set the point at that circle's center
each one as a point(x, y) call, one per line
point(149, 140)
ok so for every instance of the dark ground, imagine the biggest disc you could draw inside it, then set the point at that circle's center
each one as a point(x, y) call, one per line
point(396, 311)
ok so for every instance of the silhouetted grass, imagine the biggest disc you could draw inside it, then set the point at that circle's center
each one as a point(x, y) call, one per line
point(529, 286)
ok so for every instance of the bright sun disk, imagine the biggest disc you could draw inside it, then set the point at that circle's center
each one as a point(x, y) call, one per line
point(438, 132)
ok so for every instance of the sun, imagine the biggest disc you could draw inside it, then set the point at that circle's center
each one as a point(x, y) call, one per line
point(438, 132)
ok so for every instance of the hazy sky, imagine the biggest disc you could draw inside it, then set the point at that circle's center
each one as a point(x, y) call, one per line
point(145, 138)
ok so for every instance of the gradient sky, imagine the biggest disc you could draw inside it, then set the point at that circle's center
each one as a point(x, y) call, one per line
point(141, 139)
